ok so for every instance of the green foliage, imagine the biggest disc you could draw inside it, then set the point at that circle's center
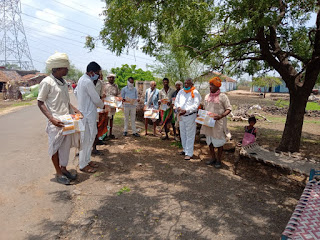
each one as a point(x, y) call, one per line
point(12, 66)
point(311, 106)
point(126, 71)
point(123, 190)
point(266, 81)
point(74, 73)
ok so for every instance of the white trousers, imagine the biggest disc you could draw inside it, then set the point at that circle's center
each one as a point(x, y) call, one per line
point(188, 129)
point(130, 111)
point(86, 148)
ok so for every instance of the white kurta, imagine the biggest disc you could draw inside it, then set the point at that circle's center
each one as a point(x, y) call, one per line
point(54, 94)
point(88, 101)
point(187, 122)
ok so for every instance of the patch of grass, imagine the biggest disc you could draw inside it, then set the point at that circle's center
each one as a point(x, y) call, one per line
point(21, 104)
point(123, 190)
point(313, 141)
point(138, 150)
point(176, 144)
point(118, 118)
point(311, 106)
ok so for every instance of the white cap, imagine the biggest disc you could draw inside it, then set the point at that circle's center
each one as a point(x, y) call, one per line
point(111, 75)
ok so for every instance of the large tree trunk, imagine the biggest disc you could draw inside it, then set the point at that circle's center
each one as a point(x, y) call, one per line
point(291, 136)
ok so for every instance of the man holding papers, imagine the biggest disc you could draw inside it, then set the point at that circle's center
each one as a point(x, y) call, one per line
point(187, 103)
point(111, 90)
point(218, 106)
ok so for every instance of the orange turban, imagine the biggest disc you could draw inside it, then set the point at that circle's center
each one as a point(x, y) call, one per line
point(215, 81)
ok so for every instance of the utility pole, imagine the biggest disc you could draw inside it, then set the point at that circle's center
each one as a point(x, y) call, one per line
point(14, 48)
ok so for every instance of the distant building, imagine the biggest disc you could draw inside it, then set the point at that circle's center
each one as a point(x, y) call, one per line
point(282, 88)
point(202, 82)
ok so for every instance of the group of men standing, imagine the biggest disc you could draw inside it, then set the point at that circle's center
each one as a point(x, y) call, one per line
point(182, 107)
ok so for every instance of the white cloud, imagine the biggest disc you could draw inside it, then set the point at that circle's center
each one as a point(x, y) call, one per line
point(51, 16)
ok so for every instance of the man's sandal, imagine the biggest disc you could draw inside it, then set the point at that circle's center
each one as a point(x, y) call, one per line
point(211, 161)
point(94, 165)
point(69, 175)
point(88, 169)
point(62, 179)
point(187, 158)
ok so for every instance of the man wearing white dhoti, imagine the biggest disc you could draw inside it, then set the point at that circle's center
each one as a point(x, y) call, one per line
point(187, 103)
point(88, 100)
point(54, 102)
point(219, 106)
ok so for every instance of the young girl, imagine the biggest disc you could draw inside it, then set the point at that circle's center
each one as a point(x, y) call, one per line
point(250, 132)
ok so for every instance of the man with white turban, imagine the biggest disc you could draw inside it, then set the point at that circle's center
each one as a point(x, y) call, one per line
point(54, 101)
point(187, 103)
point(88, 100)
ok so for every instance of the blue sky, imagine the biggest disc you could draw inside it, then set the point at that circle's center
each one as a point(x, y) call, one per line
point(57, 25)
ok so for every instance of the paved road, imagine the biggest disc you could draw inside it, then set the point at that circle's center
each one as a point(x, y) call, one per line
point(32, 204)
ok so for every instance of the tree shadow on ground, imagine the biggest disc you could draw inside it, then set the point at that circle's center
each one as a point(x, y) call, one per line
point(170, 198)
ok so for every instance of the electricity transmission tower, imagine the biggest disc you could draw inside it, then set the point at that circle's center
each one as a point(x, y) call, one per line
point(14, 49)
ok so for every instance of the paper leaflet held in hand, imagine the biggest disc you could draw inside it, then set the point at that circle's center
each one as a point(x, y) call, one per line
point(113, 101)
point(131, 101)
point(151, 113)
point(164, 104)
point(204, 118)
point(71, 124)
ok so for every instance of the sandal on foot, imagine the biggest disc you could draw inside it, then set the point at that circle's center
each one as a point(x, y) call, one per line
point(182, 153)
point(96, 152)
point(88, 169)
point(211, 162)
point(69, 175)
point(94, 165)
point(218, 165)
point(63, 179)
point(187, 158)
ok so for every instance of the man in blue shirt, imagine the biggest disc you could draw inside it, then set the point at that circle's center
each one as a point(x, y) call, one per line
point(130, 99)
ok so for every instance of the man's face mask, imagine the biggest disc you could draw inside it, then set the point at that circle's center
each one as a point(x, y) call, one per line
point(94, 77)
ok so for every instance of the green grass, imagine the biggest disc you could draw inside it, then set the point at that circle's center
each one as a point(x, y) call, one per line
point(21, 104)
point(311, 106)
point(123, 190)
point(118, 118)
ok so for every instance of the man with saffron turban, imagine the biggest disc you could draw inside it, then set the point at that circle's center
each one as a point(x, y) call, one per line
point(54, 102)
point(187, 103)
point(218, 105)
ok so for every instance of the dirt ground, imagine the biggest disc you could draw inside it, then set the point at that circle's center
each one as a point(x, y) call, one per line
point(145, 190)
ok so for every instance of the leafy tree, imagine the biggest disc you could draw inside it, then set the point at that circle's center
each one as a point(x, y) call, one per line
point(266, 82)
point(233, 35)
point(126, 71)
point(12, 66)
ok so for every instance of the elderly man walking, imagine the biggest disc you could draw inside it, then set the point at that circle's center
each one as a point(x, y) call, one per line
point(88, 100)
point(130, 98)
point(187, 103)
point(151, 102)
point(219, 106)
point(54, 102)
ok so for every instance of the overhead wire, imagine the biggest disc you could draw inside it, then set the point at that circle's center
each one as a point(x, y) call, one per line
point(53, 37)
point(39, 9)
point(76, 9)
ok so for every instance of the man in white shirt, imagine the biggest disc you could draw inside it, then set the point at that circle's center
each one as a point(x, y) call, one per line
point(88, 101)
point(54, 102)
point(187, 103)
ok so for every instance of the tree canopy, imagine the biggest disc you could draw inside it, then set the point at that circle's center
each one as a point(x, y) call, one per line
point(230, 36)
point(126, 71)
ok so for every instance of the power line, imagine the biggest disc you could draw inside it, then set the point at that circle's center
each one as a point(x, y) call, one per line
point(73, 40)
point(60, 17)
point(76, 9)
point(53, 23)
